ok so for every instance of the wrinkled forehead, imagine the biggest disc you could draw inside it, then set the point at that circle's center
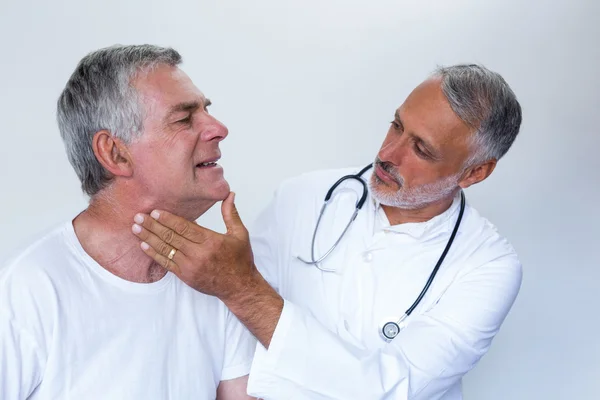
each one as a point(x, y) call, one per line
point(164, 87)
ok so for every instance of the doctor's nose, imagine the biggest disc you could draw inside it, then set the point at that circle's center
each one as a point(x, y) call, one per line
point(393, 152)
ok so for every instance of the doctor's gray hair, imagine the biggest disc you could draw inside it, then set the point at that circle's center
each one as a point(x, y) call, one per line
point(485, 102)
point(99, 95)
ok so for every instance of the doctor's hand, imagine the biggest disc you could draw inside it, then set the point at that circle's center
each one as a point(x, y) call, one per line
point(220, 265)
point(210, 262)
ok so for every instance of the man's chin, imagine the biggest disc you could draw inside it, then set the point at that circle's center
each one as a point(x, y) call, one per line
point(222, 192)
point(207, 200)
point(217, 190)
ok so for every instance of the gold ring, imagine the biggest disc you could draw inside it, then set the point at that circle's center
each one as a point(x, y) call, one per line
point(172, 253)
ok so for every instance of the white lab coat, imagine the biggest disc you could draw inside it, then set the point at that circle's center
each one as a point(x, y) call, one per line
point(327, 343)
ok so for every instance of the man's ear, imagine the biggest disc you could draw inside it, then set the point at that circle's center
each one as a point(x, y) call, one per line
point(477, 173)
point(112, 153)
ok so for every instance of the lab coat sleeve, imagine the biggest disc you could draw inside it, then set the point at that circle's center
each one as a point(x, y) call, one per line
point(265, 243)
point(434, 350)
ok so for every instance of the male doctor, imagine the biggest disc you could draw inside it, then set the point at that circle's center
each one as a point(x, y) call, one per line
point(320, 326)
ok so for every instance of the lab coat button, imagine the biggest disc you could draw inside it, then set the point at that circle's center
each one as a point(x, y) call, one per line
point(367, 256)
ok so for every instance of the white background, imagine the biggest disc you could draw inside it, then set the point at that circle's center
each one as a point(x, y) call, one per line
point(313, 84)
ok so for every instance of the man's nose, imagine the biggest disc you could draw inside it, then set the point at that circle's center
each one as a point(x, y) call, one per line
point(214, 130)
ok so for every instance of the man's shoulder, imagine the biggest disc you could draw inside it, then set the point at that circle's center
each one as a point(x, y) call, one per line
point(37, 258)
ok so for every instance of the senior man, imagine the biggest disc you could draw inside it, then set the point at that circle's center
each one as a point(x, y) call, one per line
point(84, 312)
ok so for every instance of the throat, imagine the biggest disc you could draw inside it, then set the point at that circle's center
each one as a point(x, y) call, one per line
point(112, 245)
point(152, 274)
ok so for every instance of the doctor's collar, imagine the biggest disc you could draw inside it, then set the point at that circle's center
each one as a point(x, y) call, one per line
point(418, 230)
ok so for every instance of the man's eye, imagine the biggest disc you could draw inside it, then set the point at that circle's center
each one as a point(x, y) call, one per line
point(185, 120)
point(395, 125)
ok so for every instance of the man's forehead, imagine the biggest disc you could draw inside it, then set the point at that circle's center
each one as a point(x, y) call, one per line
point(165, 86)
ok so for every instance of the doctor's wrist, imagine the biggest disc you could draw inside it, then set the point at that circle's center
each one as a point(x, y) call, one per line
point(246, 287)
point(258, 306)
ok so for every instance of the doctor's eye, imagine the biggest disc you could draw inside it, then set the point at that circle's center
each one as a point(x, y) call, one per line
point(422, 153)
point(395, 124)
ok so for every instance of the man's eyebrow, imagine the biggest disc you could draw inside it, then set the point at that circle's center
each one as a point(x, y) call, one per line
point(185, 106)
point(430, 148)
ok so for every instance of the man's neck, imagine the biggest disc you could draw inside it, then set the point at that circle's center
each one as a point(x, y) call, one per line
point(397, 216)
point(104, 231)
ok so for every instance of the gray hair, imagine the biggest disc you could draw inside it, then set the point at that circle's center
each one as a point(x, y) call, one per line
point(100, 96)
point(485, 102)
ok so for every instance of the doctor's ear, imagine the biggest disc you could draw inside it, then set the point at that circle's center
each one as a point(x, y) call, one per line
point(477, 173)
point(112, 153)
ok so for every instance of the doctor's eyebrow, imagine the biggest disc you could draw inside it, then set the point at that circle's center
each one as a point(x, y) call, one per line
point(398, 120)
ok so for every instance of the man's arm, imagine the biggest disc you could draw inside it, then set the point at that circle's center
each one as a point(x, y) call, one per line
point(237, 359)
point(234, 389)
point(20, 370)
point(21, 353)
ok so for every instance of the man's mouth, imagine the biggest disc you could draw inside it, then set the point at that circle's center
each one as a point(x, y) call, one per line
point(207, 164)
point(210, 163)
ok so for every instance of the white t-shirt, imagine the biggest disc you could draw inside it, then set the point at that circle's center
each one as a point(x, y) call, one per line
point(69, 329)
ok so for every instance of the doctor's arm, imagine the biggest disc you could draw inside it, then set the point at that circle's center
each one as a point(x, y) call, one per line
point(301, 356)
point(427, 358)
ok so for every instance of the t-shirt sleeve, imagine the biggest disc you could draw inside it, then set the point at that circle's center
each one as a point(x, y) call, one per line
point(21, 356)
point(20, 363)
point(239, 349)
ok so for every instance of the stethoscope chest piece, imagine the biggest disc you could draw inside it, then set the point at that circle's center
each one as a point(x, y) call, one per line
point(390, 330)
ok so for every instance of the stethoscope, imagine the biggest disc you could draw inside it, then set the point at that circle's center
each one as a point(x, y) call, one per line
point(390, 329)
